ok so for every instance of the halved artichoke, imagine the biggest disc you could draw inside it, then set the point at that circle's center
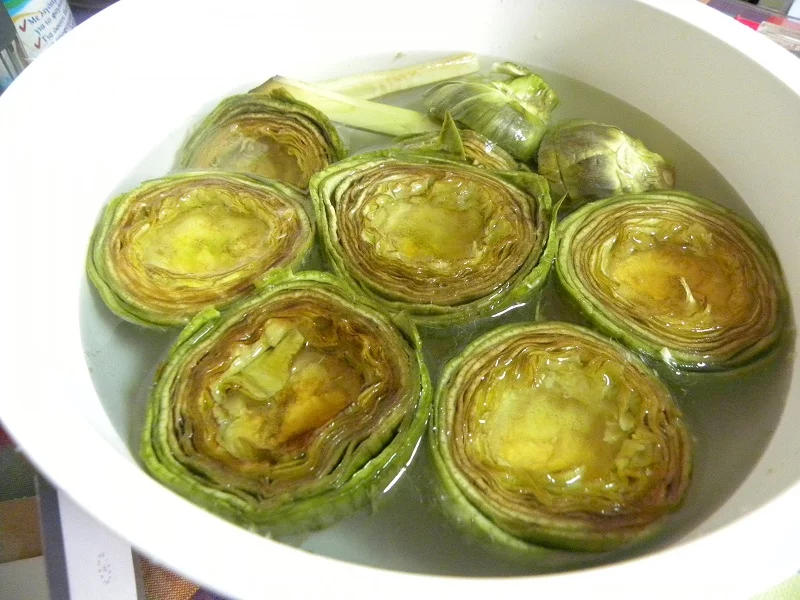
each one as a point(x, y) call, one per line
point(442, 241)
point(550, 435)
point(174, 246)
point(274, 136)
point(513, 112)
point(294, 408)
point(462, 144)
point(675, 277)
point(588, 161)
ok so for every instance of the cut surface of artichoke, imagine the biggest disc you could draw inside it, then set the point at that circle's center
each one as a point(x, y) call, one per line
point(174, 246)
point(441, 240)
point(675, 277)
point(273, 136)
point(551, 435)
point(294, 408)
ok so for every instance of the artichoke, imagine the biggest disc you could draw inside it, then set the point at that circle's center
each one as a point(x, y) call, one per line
point(273, 136)
point(295, 407)
point(549, 435)
point(462, 144)
point(442, 241)
point(676, 277)
point(174, 246)
point(586, 161)
point(513, 113)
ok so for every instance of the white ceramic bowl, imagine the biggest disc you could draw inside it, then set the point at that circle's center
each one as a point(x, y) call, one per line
point(104, 108)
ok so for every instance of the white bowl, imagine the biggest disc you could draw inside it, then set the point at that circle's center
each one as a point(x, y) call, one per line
point(106, 107)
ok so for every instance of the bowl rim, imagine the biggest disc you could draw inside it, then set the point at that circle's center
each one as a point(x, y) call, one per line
point(730, 567)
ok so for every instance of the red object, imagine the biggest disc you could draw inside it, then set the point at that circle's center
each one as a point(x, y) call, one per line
point(751, 24)
point(785, 23)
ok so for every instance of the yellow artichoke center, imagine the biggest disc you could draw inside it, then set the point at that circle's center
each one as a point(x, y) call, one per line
point(205, 240)
point(554, 417)
point(422, 232)
point(436, 224)
point(685, 275)
point(278, 390)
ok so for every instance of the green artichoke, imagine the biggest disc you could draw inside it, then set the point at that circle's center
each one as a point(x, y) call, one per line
point(292, 409)
point(586, 161)
point(675, 277)
point(274, 136)
point(550, 435)
point(442, 241)
point(513, 112)
point(177, 245)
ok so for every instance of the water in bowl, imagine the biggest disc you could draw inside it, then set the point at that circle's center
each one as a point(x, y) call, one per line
point(731, 419)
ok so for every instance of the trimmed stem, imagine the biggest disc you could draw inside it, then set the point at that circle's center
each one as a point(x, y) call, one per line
point(353, 112)
point(379, 83)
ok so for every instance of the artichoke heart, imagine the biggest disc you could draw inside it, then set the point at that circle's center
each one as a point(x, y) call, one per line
point(550, 435)
point(440, 240)
point(177, 245)
point(675, 277)
point(512, 112)
point(272, 136)
point(587, 161)
point(292, 409)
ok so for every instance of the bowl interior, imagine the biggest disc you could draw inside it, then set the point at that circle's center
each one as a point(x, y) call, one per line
point(123, 358)
point(633, 64)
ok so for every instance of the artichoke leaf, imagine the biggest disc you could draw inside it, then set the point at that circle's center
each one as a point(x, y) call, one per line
point(462, 144)
point(450, 140)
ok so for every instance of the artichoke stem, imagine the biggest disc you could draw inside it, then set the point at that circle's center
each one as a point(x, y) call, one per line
point(353, 112)
point(380, 83)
